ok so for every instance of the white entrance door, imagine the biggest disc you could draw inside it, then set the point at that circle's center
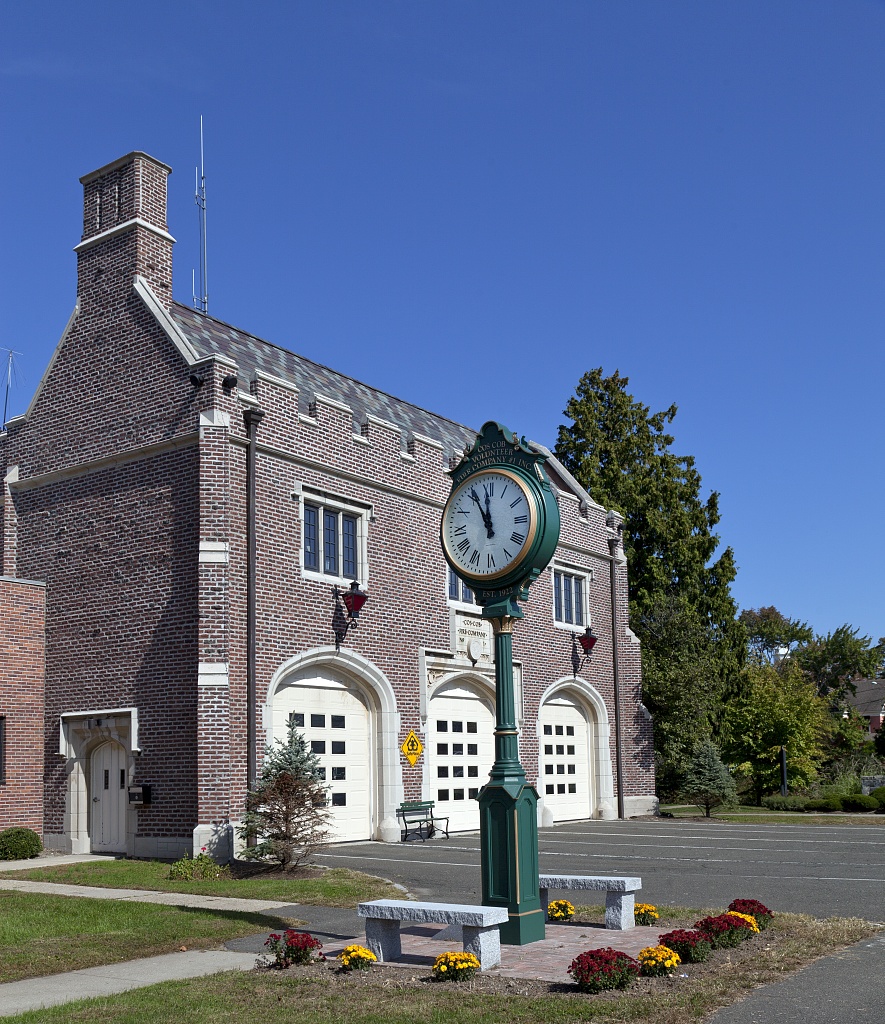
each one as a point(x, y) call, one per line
point(335, 722)
point(109, 798)
point(461, 735)
point(565, 776)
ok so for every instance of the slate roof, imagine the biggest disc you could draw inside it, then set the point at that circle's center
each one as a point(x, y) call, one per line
point(210, 336)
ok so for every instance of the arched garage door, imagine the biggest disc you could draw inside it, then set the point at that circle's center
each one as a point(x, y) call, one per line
point(461, 734)
point(336, 721)
point(566, 782)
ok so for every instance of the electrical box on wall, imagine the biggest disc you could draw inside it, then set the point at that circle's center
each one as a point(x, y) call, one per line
point(139, 796)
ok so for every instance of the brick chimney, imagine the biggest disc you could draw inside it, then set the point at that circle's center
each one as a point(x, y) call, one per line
point(124, 232)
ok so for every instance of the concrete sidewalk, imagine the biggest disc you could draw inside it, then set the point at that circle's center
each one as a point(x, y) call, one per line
point(171, 899)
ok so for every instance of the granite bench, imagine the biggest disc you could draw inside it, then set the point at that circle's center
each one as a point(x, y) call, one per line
point(619, 894)
point(479, 926)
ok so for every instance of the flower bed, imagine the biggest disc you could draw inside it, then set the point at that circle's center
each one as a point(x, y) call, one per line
point(455, 966)
point(600, 969)
point(726, 930)
point(657, 961)
point(356, 958)
point(294, 948)
point(692, 946)
point(560, 910)
point(645, 914)
point(759, 911)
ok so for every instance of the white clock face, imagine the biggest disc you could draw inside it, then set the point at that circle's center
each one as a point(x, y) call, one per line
point(488, 523)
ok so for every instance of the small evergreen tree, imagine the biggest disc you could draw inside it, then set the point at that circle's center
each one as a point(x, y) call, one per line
point(286, 810)
point(708, 783)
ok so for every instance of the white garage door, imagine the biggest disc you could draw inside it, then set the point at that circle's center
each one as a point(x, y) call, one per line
point(461, 734)
point(565, 778)
point(335, 722)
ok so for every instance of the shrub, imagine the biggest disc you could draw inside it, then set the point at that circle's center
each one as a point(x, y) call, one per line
point(19, 844)
point(827, 803)
point(601, 969)
point(455, 966)
point(785, 803)
point(656, 961)
point(858, 802)
point(691, 946)
point(761, 914)
point(645, 913)
point(356, 958)
point(879, 794)
point(726, 930)
point(560, 910)
point(293, 948)
point(708, 783)
point(195, 869)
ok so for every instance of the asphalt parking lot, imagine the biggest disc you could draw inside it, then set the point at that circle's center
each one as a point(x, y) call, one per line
point(821, 870)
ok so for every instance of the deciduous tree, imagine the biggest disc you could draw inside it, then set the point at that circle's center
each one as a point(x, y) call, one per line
point(776, 708)
point(834, 661)
point(770, 633)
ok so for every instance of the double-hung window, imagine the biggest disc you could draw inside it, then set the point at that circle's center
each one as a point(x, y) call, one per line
point(458, 589)
point(570, 597)
point(333, 540)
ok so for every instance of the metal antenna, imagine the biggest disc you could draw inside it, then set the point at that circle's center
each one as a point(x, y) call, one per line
point(8, 383)
point(201, 301)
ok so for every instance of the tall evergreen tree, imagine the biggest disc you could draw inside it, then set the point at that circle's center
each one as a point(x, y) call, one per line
point(708, 783)
point(621, 453)
point(286, 809)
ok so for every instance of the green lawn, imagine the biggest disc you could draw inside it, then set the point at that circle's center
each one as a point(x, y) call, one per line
point(48, 934)
point(337, 887)
point(321, 993)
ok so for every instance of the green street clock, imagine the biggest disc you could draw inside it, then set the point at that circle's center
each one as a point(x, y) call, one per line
point(500, 525)
point(499, 530)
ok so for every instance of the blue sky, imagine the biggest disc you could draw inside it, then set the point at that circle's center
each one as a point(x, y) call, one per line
point(469, 204)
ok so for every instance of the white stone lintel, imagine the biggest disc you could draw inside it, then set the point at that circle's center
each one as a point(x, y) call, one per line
point(214, 551)
point(213, 673)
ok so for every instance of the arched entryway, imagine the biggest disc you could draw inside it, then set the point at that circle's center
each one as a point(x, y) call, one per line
point(345, 708)
point(460, 737)
point(574, 761)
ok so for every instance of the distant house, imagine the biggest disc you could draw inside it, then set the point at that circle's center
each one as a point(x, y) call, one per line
point(869, 701)
point(191, 499)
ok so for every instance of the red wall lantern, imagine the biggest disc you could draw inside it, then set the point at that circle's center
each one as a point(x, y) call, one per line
point(353, 599)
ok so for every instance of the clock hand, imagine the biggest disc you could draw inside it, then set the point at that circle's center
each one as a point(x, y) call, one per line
point(487, 518)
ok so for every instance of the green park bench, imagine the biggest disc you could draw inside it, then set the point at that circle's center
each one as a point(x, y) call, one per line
point(418, 819)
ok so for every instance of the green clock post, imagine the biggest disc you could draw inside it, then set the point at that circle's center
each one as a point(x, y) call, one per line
point(499, 530)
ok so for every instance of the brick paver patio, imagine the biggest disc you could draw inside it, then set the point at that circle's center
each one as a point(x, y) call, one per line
point(547, 960)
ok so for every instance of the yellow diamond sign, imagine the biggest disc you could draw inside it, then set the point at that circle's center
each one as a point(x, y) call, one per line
point(412, 747)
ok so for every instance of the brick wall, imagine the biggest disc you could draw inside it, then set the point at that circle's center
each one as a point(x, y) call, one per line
point(21, 702)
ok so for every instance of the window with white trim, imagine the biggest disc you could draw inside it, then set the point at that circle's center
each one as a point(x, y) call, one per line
point(333, 539)
point(458, 589)
point(570, 593)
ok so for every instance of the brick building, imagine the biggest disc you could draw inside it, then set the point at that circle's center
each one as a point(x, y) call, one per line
point(191, 495)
